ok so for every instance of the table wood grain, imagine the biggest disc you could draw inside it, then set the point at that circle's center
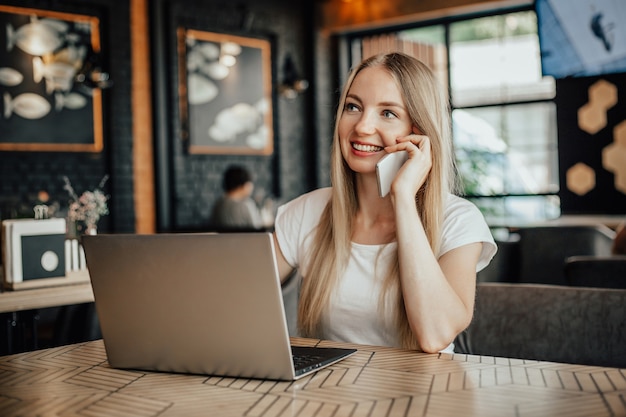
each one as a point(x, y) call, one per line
point(31, 299)
point(76, 380)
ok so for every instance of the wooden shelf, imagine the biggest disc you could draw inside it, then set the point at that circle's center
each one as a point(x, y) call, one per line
point(30, 299)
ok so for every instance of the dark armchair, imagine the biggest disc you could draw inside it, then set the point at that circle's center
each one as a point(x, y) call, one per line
point(543, 249)
point(596, 271)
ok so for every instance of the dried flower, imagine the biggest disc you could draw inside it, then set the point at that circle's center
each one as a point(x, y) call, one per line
point(90, 206)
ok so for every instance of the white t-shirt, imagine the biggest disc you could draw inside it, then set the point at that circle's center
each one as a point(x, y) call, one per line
point(354, 315)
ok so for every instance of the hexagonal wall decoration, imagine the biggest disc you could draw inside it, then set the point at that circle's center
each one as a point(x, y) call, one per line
point(591, 120)
point(581, 179)
point(592, 116)
point(614, 156)
point(603, 94)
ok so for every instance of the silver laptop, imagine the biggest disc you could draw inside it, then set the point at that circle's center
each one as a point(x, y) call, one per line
point(196, 303)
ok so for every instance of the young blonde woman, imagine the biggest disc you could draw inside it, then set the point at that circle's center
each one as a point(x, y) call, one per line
point(393, 271)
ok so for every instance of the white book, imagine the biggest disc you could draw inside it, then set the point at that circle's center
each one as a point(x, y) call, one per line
point(75, 266)
point(6, 250)
point(81, 258)
point(34, 249)
point(68, 255)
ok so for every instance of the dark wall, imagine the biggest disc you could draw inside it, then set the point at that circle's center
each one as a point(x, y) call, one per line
point(586, 149)
point(188, 184)
point(24, 174)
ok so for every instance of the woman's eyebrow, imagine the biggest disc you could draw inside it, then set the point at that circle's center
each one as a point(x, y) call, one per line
point(354, 97)
point(391, 104)
point(381, 104)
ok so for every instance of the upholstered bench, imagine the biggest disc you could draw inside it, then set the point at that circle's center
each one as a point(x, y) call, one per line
point(548, 322)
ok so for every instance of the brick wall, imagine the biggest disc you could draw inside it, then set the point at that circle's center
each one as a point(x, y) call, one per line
point(24, 174)
point(189, 184)
point(194, 180)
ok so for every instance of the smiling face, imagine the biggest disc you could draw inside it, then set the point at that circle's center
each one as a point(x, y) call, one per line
point(374, 115)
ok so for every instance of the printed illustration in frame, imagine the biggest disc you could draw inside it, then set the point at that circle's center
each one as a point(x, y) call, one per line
point(225, 90)
point(44, 106)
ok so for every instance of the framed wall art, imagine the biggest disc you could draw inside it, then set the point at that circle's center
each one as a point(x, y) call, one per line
point(45, 106)
point(225, 91)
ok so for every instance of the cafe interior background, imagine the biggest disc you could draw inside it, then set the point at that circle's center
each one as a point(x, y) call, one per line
point(531, 147)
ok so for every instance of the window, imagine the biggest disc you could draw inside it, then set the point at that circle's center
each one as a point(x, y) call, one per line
point(503, 114)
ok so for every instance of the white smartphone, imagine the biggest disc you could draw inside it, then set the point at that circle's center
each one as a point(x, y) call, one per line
point(387, 168)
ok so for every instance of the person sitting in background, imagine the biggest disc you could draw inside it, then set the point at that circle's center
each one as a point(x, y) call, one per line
point(619, 242)
point(236, 209)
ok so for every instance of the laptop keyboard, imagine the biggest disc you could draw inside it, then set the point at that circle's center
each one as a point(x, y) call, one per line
point(306, 359)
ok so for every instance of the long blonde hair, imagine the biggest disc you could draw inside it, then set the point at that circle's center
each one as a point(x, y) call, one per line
point(429, 110)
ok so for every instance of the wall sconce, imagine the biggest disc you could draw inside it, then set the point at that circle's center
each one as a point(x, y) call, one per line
point(292, 84)
point(91, 75)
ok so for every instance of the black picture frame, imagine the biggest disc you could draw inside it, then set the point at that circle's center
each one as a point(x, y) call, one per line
point(225, 109)
point(43, 107)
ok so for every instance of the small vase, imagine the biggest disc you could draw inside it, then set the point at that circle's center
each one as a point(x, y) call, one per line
point(91, 229)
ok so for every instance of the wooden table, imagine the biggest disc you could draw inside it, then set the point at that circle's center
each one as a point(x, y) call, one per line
point(76, 380)
point(19, 312)
point(11, 301)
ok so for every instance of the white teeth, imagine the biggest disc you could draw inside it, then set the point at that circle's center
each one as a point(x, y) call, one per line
point(366, 148)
